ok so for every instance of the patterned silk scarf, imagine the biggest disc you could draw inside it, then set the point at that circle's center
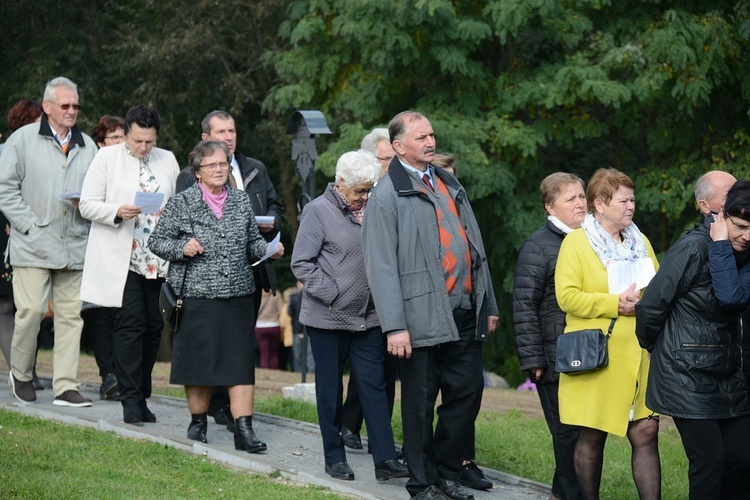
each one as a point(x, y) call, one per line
point(632, 246)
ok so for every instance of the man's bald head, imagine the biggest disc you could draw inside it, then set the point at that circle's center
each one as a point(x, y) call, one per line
point(711, 191)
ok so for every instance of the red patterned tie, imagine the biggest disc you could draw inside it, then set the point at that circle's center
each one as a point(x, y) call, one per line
point(426, 180)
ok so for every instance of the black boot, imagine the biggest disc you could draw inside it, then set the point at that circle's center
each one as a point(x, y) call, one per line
point(244, 437)
point(198, 426)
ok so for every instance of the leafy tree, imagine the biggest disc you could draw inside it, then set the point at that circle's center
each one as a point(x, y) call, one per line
point(516, 89)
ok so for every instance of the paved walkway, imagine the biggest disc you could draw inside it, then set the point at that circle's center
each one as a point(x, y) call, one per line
point(294, 448)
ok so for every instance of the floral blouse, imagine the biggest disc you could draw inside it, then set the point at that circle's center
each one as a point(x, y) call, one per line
point(142, 261)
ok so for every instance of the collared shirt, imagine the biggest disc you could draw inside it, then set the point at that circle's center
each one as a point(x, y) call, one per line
point(236, 173)
point(63, 141)
point(419, 173)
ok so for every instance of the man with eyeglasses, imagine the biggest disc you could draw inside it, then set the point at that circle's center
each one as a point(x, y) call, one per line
point(250, 175)
point(41, 172)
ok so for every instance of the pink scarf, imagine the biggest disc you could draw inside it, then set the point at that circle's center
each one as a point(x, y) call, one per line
point(215, 202)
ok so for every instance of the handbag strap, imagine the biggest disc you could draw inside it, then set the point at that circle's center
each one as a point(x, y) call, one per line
point(611, 327)
point(184, 274)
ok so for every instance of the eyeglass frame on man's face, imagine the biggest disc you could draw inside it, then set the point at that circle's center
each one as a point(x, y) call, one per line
point(216, 166)
point(67, 106)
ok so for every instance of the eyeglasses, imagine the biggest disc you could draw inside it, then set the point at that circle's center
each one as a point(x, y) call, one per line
point(66, 107)
point(385, 158)
point(215, 166)
point(362, 192)
point(740, 227)
point(119, 137)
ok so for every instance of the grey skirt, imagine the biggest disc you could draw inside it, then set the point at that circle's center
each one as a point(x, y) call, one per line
point(215, 345)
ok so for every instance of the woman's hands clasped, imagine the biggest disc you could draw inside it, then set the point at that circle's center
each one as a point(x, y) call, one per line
point(628, 299)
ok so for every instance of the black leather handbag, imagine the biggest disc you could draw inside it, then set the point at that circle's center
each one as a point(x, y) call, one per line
point(170, 304)
point(583, 350)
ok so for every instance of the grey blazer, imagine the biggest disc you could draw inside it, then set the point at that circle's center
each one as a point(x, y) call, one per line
point(231, 245)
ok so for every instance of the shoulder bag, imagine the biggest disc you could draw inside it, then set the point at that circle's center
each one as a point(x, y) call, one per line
point(583, 350)
point(170, 304)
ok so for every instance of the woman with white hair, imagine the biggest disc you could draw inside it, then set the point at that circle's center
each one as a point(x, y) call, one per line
point(340, 316)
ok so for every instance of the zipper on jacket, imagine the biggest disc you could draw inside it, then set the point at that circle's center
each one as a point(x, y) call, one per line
point(739, 344)
point(714, 346)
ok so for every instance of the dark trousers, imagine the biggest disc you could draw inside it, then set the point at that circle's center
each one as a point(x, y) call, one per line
point(100, 323)
point(719, 457)
point(455, 370)
point(220, 395)
point(364, 350)
point(564, 437)
point(137, 333)
point(352, 415)
point(267, 340)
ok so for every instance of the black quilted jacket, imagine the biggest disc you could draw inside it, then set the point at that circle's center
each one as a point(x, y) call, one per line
point(537, 317)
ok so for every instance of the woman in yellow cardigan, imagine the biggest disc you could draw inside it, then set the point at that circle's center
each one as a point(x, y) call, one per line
point(610, 400)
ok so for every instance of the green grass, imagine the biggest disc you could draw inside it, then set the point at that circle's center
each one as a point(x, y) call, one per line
point(521, 445)
point(42, 459)
point(45, 459)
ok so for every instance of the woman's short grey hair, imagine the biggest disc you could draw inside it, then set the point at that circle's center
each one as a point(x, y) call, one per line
point(51, 89)
point(357, 167)
point(204, 149)
point(371, 140)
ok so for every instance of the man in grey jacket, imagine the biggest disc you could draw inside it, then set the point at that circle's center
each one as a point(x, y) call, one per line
point(41, 173)
point(428, 273)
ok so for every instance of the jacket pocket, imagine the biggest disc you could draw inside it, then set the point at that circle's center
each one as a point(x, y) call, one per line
point(700, 367)
point(415, 284)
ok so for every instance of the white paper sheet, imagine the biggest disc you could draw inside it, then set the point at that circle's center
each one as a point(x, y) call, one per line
point(623, 273)
point(273, 247)
point(150, 203)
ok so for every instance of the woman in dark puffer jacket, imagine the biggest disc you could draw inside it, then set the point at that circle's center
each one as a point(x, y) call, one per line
point(539, 320)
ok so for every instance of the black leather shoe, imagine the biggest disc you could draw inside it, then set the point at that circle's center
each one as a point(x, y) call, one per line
point(244, 437)
point(431, 493)
point(108, 389)
point(351, 440)
point(146, 414)
point(340, 470)
point(452, 489)
point(471, 476)
point(390, 469)
point(131, 414)
point(198, 427)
